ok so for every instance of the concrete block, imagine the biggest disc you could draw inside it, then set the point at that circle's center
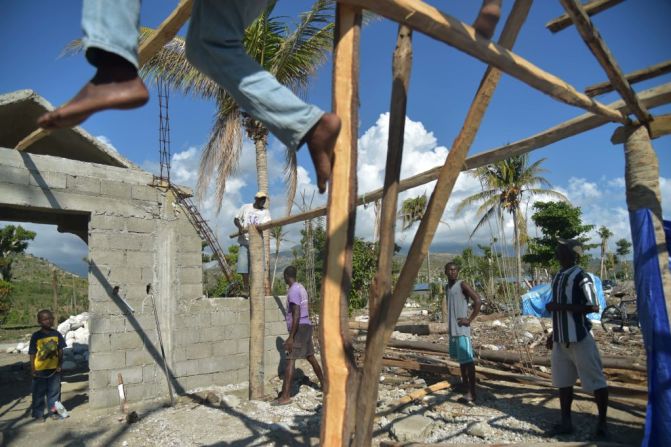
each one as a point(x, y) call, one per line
point(118, 190)
point(190, 259)
point(178, 354)
point(243, 345)
point(83, 185)
point(184, 337)
point(104, 222)
point(47, 179)
point(212, 365)
point(107, 360)
point(225, 318)
point(225, 378)
point(188, 321)
point(99, 342)
point(146, 193)
point(242, 375)
point(211, 334)
point(125, 275)
point(99, 379)
point(236, 331)
point(411, 428)
point(132, 242)
point(109, 257)
point(139, 357)
point(186, 368)
point(224, 348)
point(126, 341)
point(135, 225)
point(198, 351)
point(103, 398)
point(141, 391)
point(191, 291)
point(150, 373)
point(274, 343)
point(190, 275)
point(276, 328)
point(147, 275)
point(236, 361)
point(130, 375)
point(199, 381)
point(15, 176)
point(98, 324)
point(140, 259)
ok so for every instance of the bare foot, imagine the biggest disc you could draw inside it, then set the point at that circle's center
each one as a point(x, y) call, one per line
point(321, 140)
point(488, 17)
point(113, 87)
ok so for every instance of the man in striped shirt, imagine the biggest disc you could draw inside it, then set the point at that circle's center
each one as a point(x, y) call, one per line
point(574, 352)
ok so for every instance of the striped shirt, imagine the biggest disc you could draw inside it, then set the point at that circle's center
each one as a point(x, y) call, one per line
point(572, 286)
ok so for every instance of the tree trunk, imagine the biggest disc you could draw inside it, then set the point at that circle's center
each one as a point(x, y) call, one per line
point(518, 254)
point(257, 314)
point(260, 144)
point(642, 179)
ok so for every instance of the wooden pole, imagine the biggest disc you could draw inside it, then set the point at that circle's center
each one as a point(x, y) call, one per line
point(592, 7)
point(633, 77)
point(416, 395)
point(401, 66)
point(598, 47)
point(659, 127)
point(426, 19)
point(337, 352)
point(54, 288)
point(163, 34)
point(651, 98)
point(382, 323)
point(257, 314)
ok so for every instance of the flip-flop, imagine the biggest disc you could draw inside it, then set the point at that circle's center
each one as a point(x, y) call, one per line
point(279, 403)
point(466, 401)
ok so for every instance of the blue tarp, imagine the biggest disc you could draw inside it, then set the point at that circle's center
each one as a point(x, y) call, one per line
point(534, 301)
point(654, 325)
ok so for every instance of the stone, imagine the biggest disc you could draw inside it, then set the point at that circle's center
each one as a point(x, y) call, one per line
point(212, 399)
point(490, 347)
point(479, 429)
point(411, 428)
point(497, 323)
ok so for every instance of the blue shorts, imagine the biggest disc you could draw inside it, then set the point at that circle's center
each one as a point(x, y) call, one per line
point(461, 349)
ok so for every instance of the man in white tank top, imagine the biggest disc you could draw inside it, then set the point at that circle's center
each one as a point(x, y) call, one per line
point(457, 294)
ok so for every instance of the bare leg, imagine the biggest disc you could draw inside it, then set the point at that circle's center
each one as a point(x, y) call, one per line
point(488, 17)
point(321, 141)
point(318, 370)
point(245, 281)
point(286, 385)
point(470, 371)
point(116, 85)
point(565, 401)
point(464, 375)
point(601, 398)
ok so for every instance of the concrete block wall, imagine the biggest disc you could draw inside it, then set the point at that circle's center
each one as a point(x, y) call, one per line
point(139, 240)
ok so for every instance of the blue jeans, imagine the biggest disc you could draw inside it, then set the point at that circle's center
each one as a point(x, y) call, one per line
point(45, 386)
point(214, 46)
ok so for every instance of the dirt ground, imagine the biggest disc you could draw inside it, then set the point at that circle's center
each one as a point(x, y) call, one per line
point(506, 412)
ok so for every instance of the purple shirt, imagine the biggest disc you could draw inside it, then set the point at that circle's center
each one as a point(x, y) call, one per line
point(298, 296)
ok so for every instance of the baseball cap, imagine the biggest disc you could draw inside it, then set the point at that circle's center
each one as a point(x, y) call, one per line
point(260, 195)
point(573, 245)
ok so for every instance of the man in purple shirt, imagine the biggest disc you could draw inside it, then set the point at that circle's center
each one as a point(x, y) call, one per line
point(299, 343)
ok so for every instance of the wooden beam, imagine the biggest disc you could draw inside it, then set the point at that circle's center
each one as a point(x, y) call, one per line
point(523, 444)
point(165, 31)
point(592, 7)
point(401, 67)
point(337, 351)
point(658, 127)
point(633, 77)
point(598, 47)
point(415, 395)
point(651, 98)
point(163, 34)
point(428, 20)
point(382, 322)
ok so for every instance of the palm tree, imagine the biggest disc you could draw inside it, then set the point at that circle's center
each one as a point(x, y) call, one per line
point(279, 236)
point(604, 234)
point(412, 210)
point(505, 184)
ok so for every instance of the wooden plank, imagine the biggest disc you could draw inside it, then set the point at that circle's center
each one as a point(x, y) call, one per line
point(415, 395)
point(598, 47)
point(592, 7)
point(163, 34)
point(658, 127)
point(523, 444)
point(257, 314)
point(428, 20)
point(401, 66)
point(337, 352)
point(651, 98)
point(635, 76)
point(382, 323)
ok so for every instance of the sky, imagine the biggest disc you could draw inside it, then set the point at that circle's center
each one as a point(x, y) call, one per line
point(586, 168)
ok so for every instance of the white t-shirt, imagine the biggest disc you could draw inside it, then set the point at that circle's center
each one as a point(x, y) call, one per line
point(248, 215)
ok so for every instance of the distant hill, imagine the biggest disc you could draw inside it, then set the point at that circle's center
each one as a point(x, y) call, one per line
point(33, 290)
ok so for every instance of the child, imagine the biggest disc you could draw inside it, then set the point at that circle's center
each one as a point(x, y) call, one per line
point(46, 359)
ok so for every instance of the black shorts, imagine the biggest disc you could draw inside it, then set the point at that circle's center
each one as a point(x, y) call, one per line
point(303, 346)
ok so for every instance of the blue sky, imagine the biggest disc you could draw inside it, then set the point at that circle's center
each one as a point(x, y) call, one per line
point(587, 168)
